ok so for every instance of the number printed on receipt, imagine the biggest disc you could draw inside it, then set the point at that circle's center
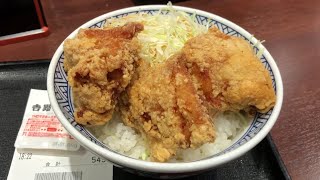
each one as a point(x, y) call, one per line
point(40, 128)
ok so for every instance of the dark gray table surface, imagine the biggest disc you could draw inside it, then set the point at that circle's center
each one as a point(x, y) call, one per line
point(16, 80)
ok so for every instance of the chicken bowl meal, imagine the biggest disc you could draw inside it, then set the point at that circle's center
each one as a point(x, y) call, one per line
point(165, 89)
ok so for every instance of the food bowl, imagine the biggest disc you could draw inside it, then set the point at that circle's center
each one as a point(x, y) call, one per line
point(60, 96)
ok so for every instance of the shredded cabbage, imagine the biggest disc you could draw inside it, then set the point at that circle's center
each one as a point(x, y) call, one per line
point(144, 156)
point(257, 44)
point(165, 32)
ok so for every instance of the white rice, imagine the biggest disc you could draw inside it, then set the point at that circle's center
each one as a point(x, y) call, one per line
point(125, 140)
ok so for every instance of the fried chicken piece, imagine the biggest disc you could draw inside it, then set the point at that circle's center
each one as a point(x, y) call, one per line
point(169, 102)
point(100, 64)
point(164, 106)
point(229, 75)
point(198, 126)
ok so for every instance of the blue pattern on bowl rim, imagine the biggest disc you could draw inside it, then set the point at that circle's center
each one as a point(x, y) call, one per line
point(64, 97)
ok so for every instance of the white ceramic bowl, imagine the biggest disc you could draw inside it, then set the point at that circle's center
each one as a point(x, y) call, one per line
point(61, 101)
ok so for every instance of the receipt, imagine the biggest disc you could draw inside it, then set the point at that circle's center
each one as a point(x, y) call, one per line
point(45, 150)
point(40, 128)
point(31, 164)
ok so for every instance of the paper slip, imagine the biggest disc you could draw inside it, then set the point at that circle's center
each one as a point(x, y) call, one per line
point(50, 161)
point(40, 128)
point(59, 165)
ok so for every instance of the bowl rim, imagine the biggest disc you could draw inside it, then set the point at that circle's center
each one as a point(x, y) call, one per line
point(181, 167)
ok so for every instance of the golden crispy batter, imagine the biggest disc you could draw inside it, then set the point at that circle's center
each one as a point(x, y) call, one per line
point(168, 103)
point(164, 106)
point(198, 127)
point(100, 64)
point(226, 71)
